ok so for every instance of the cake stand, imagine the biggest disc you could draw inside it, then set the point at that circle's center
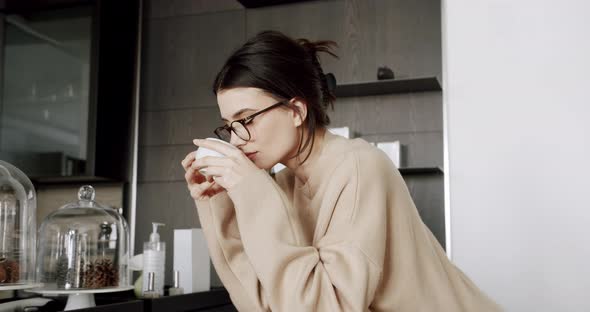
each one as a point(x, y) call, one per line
point(79, 298)
point(18, 286)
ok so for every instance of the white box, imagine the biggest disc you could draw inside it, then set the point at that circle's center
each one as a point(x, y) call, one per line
point(393, 151)
point(191, 259)
point(278, 167)
point(342, 131)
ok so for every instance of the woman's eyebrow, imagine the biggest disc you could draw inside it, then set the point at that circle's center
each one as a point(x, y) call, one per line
point(238, 113)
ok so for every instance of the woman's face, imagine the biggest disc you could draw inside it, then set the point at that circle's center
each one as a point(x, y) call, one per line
point(274, 134)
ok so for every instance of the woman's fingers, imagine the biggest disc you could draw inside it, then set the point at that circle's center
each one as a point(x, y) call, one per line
point(209, 161)
point(200, 186)
point(188, 160)
point(192, 175)
point(198, 191)
point(204, 190)
point(217, 171)
point(213, 189)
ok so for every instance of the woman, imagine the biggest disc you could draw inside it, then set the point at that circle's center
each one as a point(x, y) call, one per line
point(335, 231)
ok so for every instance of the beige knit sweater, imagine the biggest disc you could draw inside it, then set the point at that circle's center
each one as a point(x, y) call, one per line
point(349, 239)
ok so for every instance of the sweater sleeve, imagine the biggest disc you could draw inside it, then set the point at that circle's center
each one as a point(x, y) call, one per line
point(218, 222)
point(342, 270)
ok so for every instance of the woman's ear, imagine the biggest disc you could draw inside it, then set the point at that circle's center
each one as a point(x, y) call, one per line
point(299, 111)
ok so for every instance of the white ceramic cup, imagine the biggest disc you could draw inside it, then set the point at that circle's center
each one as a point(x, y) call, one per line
point(204, 152)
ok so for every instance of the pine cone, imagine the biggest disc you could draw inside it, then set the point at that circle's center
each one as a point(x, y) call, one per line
point(101, 274)
point(9, 271)
point(13, 271)
point(89, 276)
point(3, 273)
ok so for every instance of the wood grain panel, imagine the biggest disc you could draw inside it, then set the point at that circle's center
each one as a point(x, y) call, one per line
point(403, 35)
point(162, 163)
point(316, 20)
point(182, 55)
point(428, 195)
point(423, 149)
point(408, 36)
point(177, 126)
point(397, 113)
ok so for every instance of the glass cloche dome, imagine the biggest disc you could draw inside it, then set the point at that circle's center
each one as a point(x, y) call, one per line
point(18, 205)
point(82, 246)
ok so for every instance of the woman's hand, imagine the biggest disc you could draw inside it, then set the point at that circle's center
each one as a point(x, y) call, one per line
point(200, 186)
point(226, 171)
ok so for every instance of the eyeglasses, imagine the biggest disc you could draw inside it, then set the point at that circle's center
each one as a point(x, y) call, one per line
point(239, 126)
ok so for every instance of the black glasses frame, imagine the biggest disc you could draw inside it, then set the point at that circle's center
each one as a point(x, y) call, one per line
point(244, 122)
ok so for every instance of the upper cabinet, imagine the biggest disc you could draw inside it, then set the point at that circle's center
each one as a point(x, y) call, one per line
point(45, 91)
point(67, 87)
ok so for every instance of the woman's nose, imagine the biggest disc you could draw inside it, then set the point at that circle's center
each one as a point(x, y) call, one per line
point(235, 140)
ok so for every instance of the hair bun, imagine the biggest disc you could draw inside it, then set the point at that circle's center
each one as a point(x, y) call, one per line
point(313, 47)
point(330, 82)
point(327, 81)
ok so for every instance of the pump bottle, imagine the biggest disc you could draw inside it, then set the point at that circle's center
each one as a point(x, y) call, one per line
point(154, 256)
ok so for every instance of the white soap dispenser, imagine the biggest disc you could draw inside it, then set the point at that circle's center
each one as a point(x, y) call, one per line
point(154, 257)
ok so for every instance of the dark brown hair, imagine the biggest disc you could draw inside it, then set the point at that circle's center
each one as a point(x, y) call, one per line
point(285, 68)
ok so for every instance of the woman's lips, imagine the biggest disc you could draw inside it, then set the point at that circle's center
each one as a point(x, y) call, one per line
point(251, 155)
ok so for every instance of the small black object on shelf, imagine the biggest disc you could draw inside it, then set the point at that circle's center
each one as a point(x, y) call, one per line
point(384, 73)
point(388, 87)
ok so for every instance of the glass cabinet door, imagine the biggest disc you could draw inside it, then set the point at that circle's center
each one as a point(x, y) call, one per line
point(45, 83)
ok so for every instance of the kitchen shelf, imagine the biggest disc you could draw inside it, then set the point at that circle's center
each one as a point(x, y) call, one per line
point(189, 302)
point(130, 306)
point(390, 86)
point(420, 171)
point(72, 180)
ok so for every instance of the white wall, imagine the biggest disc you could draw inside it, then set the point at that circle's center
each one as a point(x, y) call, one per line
point(517, 113)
